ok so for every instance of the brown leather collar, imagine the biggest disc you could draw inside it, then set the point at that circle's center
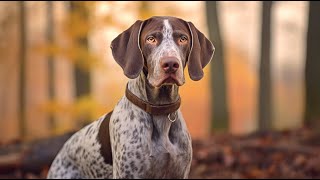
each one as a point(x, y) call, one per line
point(151, 108)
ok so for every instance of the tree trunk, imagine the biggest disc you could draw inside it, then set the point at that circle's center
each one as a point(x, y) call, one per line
point(312, 68)
point(82, 76)
point(22, 70)
point(50, 40)
point(220, 116)
point(265, 88)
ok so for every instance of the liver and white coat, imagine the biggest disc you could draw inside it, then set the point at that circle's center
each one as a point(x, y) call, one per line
point(153, 54)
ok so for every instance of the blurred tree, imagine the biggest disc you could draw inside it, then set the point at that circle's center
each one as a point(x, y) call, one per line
point(50, 40)
point(76, 26)
point(22, 30)
point(312, 67)
point(79, 12)
point(145, 10)
point(220, 116)
point(265, 85)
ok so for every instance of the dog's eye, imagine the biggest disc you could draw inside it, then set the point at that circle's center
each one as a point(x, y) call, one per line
point(151, 39)
point(183, 39)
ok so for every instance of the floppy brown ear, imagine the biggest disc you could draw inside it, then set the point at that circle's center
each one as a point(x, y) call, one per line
point(127, 52)
point(201, 53)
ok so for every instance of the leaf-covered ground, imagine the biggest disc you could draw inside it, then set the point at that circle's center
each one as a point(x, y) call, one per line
point(286, 154)
point(290, 154)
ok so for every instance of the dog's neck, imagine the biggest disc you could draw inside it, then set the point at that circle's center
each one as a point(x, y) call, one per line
point(157, 96)
point(165, 94)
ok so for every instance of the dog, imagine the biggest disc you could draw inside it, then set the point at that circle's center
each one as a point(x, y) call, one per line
point(145, 136)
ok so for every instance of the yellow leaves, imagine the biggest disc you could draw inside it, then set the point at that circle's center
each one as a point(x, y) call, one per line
point(78, 22)
point(85, 107)
point(77, 26)
point(83, 58)
point(145, 14)
point(48, 49)
point(149, 8)
point(90, 5)
point(145, 10)
point(78, 54)
point(109, 20)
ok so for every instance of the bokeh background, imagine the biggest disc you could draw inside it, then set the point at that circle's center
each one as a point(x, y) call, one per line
point(57, 73)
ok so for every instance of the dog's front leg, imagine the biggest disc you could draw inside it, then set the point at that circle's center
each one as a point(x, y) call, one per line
point(129, 145)
point(128, 158)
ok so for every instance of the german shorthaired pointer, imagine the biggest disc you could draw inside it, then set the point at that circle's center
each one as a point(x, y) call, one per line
point(145, 136)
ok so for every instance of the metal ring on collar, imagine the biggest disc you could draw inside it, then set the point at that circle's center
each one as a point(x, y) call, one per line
point(174, 118)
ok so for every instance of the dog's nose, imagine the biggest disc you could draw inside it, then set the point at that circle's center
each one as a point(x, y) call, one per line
point(170, 65)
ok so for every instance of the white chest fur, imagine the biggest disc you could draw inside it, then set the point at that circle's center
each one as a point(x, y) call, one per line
point(148, 146)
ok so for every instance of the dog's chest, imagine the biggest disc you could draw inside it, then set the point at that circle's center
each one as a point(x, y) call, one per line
point(143, 148)
point(169, 158)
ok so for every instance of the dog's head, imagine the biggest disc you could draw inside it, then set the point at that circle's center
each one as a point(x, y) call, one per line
point(161, 47)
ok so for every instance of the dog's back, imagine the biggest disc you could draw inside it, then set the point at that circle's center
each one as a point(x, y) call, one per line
point(80, 157)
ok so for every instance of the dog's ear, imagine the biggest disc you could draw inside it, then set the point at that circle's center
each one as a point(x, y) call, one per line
point(127, 52)
point(201, 53)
